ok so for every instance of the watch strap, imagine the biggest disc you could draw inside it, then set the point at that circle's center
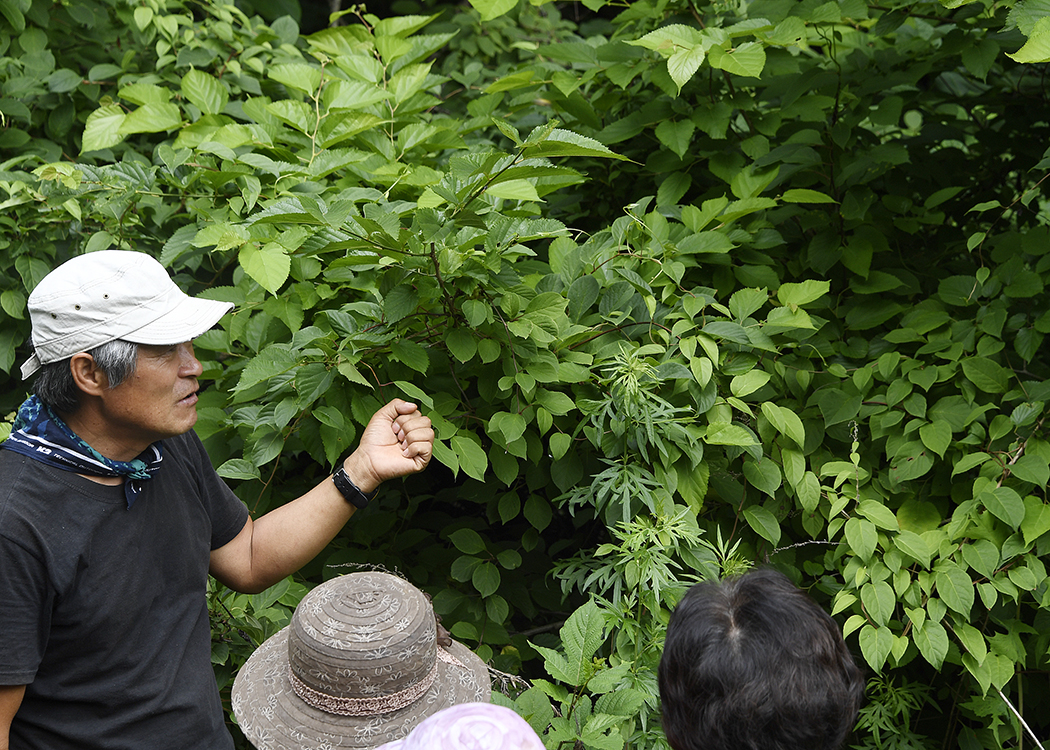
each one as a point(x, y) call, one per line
point(350, 491)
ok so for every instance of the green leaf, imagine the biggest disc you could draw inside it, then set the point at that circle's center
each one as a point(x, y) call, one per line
point(102, 129)
point(763, 523)
point(914, 546)
point(1005, 504)
point(566, 143)
point(204, 91)
point(152, 118)
point(472, 458)
point(581, 636)
point(726, 433)
point(271, 361)
point(936, 436)
point(748, 383)
point(802, 293)
point(861, 537)
point(764, 475)
point(269, 265)
point(932, 642)
point(875, 645)
point(683, 64)
point(879, 601)
point(988, 376)
point(747, 59)
point(491, 9)
point(238, 469)
point(486, 579)
point(461, 344)
point(802, 195)
point(785, 421)
point(300, 76)
point(1036, 519)
point(954, 587)
point(467, 541)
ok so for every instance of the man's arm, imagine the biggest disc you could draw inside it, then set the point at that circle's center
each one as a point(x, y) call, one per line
point(10, 700)
point(397, 441)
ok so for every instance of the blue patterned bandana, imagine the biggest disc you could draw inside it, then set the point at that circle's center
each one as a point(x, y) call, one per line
point(41, 435)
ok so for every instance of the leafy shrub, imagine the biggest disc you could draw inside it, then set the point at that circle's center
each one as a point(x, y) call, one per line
point(682, 286)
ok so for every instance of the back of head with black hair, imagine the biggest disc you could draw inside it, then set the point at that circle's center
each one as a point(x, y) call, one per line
point(752, 663)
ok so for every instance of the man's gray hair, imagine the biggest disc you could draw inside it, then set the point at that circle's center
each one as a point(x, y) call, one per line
point(55, 385)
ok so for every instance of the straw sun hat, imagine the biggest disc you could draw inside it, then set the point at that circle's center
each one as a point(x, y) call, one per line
point(359, 666)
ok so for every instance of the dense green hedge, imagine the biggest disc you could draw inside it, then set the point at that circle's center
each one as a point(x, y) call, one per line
point(683, 286)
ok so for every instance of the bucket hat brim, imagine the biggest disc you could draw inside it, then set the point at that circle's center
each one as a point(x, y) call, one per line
point(273, 717)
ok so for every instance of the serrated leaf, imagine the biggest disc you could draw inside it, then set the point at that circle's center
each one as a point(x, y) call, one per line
point(204, 91)
point(566, 143)
point(269, 265)
point(102, 129)
point(472, 458)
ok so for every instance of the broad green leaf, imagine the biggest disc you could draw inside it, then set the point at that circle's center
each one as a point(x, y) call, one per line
point(300, 76)
point(271, 361)
point(582, 636)
point(802, 293)
point(878, 514)
point(683, 64)
point(879, 601)
point(725, 433)
point(238, 469)
point(1005, 504)
point(936, 436)
point(954, 587)
point(151, 118)
point(785, 421)
point(467, 541)
point(802, 195)
point(914, 546)
point(1031, 468)
point(566, 143)
point(521, 190)
point(1036, 519)
point(748, 383)
point(204, 91)
point(861, 537)
point(763, 523)
point(491, 9)
point(932, 642)
point(747, 59)
point(486, 579)
point(968, 462)
point(987, 375)
point(268, 265)
point(875, 645)
point(103, 128)
point(763, 475)
point(472, 458)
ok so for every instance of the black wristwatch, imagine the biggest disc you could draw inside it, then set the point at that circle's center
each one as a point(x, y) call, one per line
point(353, 494)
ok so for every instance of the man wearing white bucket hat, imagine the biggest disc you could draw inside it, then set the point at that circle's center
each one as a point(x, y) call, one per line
point(111, 517)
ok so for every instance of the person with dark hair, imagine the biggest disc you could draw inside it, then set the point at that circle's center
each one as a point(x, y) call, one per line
point(112, 517)
point(752, 663)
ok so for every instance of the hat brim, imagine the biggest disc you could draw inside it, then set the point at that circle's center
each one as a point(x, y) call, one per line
point(273, 717)
point(184, 322)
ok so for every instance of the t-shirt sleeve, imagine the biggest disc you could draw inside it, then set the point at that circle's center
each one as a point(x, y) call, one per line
point(228, 514)
point(25, 605)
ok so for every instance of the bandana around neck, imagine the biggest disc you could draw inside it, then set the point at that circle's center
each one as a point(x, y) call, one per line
point(41, 435)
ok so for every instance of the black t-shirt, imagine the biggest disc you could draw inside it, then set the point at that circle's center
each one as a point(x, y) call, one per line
point(103, 609)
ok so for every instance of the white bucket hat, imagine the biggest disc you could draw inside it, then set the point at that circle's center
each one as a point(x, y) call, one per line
point(112, 294)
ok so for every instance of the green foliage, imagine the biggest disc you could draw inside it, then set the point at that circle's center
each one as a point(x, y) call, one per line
point(681, 286)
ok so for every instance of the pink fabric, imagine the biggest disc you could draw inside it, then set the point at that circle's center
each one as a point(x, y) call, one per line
point(470, 726)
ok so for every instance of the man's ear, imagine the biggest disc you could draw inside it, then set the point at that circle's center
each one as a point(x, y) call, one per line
point(87, 375)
